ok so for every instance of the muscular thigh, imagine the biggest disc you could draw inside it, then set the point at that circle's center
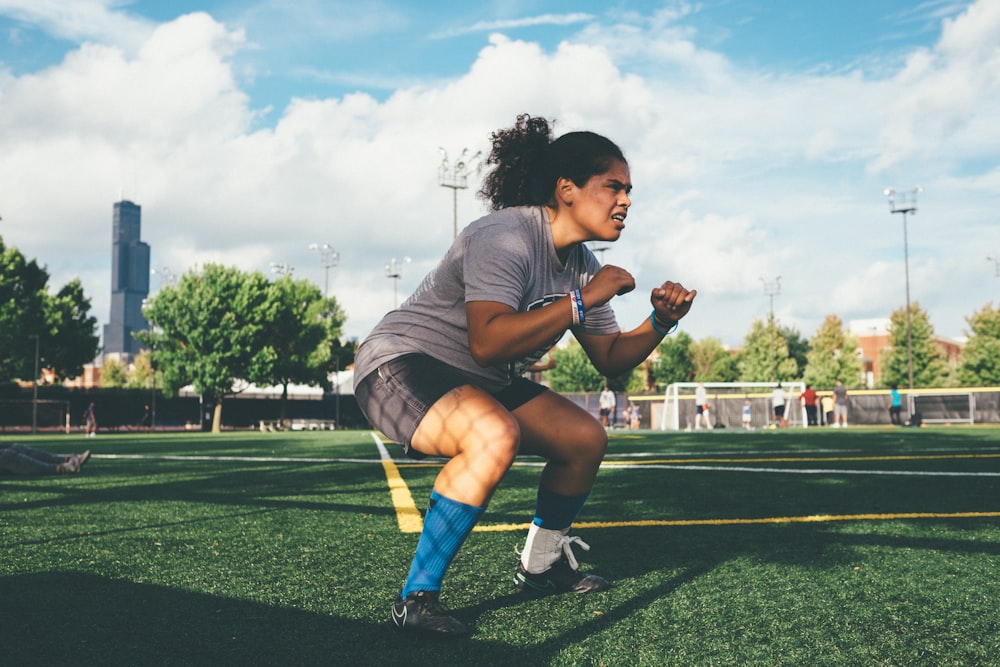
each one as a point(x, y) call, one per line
point(466, 418)
point(554, 427)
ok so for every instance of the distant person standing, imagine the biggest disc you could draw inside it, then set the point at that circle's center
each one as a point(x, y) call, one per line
point(90, 421)
point(607, 403)
point(747, 415)
point(778, 405)
point(895, 406)
point(634, 416)
point(826, 402)
point(701, 407)
point(808, 400)
point(841, 405)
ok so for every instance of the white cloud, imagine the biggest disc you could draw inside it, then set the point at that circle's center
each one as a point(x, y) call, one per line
point(739, 174)
point(81, 20)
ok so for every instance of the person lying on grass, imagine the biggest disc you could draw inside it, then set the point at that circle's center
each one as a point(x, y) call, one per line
point(23, 460)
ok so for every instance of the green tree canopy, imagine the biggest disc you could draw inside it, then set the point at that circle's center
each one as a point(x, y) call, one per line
point(980, 362)
point(833, 356)
point(713, 362)
point(674, 362)
point(301, 328)
point(72, 339)
point(66, 334)
point(765, 355)
point(210, 331)
point(574, 372)
point(798, 349)
point(929, 367)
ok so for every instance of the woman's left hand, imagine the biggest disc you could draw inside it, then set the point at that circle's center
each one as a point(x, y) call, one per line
point(672, 301)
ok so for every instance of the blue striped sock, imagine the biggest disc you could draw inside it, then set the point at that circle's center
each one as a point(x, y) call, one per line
point(447, 524)
point(555, 511)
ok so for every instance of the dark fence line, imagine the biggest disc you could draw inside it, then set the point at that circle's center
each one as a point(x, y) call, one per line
point(133, 409)
point(127, 409)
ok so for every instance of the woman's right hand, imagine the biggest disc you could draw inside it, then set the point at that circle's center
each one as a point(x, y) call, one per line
point(610, 281)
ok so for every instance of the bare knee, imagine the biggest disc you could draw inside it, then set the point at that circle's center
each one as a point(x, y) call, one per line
point(496, 438)
point(593, 441)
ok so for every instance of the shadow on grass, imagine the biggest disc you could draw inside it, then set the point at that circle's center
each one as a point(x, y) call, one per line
point(81, 619)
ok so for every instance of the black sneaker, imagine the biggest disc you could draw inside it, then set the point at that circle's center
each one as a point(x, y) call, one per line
point(422, 612)
point(560, 578)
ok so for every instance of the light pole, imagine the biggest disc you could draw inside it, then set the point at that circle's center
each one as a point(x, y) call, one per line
point(166, 275)
point(905, 202)
point(394, 270)
point(34, 384)
point(772, 289)
point(456, 177)
point(328, 259)
point(996, 264)
point(282, 269)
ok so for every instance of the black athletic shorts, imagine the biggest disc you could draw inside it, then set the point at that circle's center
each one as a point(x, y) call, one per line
point(398, 394)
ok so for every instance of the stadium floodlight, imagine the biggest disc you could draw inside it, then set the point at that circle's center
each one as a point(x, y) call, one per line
point(328, 259)
point(282, 269)
point(394, 270)
point(167, 276)
point(456, 176)
point(905, 202)
point(772, 289)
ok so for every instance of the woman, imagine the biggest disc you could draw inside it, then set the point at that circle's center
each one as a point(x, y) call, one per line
point(442, 374)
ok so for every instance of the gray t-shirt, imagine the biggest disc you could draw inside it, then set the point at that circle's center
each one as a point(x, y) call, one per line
point(507, 257)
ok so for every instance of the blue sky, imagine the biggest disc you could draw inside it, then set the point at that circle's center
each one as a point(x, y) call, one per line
point(760, 134)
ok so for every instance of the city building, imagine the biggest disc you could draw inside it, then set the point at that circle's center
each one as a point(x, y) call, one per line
point(129, 283)
point(874, 337)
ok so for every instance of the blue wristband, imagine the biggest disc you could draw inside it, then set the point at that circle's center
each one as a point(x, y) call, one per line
point(578, 301)
point(657, 329)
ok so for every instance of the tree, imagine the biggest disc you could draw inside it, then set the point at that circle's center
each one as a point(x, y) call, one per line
point(114, 374)
point(674, 362)
point(301, 328)
point(929, 367)
point(210, 331)
point(833, 356)
point(765, 355)
point(574, 372)
point(72, 339)
point(979, 365)
point(713, 362)
point(141, 375)
point(798, 349)
point(65, 332)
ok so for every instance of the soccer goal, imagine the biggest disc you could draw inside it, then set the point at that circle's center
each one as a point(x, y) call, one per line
point(944, 407)
point(19, 414)
point(726, 401)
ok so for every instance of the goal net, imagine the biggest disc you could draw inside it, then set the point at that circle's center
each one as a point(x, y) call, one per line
point(725, 404)
point(944, 408)
point(20, 414)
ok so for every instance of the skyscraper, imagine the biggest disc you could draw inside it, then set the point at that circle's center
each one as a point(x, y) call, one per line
point(129, 282)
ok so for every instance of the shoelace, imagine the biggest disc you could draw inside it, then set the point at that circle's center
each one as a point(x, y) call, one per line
point(565, 543)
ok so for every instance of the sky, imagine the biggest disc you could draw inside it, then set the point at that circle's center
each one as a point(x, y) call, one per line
point(761, 136)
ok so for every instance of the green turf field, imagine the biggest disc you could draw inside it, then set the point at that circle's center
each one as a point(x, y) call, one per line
point(793, 547)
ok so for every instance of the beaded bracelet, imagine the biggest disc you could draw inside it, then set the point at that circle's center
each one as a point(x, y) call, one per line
point(657, 324)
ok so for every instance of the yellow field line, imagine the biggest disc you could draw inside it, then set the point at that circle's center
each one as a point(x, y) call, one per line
point(801, 459)
point(410, 521)
point(407, 514)
point(816, 518)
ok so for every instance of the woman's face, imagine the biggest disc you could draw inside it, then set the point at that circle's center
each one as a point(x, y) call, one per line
point(600, 206)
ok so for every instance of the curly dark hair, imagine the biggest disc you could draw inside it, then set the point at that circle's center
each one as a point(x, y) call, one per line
point(527, 162)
